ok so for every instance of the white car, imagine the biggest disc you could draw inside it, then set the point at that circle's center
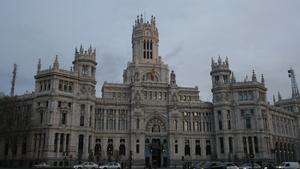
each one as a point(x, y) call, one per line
point(289, 165)
point(249, 166)
point(113, 165)
point(86, 165)
point(41, 165)
point(231, 165)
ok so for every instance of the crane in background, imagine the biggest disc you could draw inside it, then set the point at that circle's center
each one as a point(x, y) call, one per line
point(13, 81)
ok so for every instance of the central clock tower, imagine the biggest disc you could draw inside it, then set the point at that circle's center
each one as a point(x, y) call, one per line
point(144, 41)
point(146, 65)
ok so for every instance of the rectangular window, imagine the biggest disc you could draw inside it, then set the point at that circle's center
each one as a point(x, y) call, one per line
point(61, 147)
point(90, 121)
point(198, 148)
point(256, 144)
point(24, 145)
point(6, 148)
point(82, 108)
point(44, 140)
point(248, 123)
point(216, 79)
point(250, 145)
point(221, 145)
point(208, 147)
point(15, 147)
point(245, 145)
point(230, 145)
point(228, 120)
point(55, 142)
point(63, 118)
point(220, 125)
point(241, 96)
point(176, 148)
point(67, 142)
point(89, 143)
point(41, 120)
point(220, 120)
point(250, 95)
point(80, 144)
point(137, 148)
point(175, 124)
point(137, 123)
point(81, 120)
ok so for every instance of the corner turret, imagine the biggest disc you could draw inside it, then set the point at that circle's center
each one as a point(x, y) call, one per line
point(85, 62)
point(220, 72)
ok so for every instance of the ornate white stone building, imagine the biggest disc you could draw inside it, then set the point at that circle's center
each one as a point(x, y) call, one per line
point(148, 119)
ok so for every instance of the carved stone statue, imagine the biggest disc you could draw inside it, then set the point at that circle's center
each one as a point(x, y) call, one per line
point(173, 78)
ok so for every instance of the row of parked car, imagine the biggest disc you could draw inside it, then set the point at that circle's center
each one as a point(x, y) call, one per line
point(85, 165)
point(92, 165)
point(231, 165)
point(201, 165)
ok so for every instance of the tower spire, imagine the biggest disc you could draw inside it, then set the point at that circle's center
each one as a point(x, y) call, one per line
point(262, 79)
point(274, 99)
point(56, 64)
point(279, 96)
point(233, 80)
point(81, 49)
point(295, 90)
point(219, 60)
point(226, 61)
point(39, 65)
point(90, 49)
point(212, 62)
point(254, 79)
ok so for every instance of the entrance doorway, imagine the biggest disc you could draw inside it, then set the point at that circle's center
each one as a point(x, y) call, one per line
point(156, 153)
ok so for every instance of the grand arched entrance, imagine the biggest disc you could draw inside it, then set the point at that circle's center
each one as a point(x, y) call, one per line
point(156, 144)
point(156, 152)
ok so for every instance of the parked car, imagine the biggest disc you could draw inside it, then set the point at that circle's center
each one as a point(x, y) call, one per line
point(111, 165)
point(249, 166)
point(207, 164)
point(230, 165)
point(86, 165)
point(289, 165)
point(41, 165)
point(268, 166)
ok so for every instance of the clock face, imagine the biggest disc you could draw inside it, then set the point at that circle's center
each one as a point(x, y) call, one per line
point(148, 33)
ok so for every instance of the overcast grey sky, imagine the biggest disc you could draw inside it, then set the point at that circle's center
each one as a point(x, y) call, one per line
point(255, 34)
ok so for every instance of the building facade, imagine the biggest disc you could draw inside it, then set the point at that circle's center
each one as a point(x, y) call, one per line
point(148, 119)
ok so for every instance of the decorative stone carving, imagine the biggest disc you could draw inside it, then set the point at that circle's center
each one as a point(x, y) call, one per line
point(155, 125)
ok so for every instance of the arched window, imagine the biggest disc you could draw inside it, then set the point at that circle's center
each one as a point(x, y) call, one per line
point(137, 148)
point(187, 150)
point(97, 149)
point(110, 147)
point(198, 148)
point(122, 150)
point(208, 147)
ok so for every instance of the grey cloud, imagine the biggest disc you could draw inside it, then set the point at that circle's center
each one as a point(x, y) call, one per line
point(261, 35)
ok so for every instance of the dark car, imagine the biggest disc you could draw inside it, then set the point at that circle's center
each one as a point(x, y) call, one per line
point(209, 165)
